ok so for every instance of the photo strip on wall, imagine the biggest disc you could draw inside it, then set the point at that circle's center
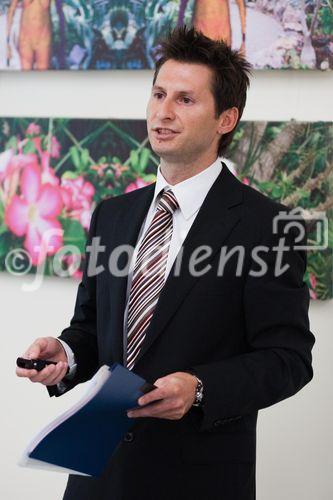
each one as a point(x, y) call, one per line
point(113, 34)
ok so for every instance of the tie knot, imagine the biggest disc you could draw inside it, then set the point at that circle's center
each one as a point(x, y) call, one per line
point(168, 202)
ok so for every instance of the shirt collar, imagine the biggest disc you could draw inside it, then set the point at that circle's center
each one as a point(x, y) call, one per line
point(191, 192)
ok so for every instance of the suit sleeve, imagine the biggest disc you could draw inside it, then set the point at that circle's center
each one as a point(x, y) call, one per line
point(81, 335)
point(277, 363)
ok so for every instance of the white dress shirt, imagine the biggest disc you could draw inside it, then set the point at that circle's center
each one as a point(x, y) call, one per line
point(190, 195)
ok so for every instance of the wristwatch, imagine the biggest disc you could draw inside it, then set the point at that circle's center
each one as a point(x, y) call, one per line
point(198, 401)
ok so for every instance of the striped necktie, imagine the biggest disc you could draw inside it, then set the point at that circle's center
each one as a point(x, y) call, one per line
point(149, 274)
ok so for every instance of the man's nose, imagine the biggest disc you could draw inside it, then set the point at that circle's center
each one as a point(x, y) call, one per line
point(165, 110)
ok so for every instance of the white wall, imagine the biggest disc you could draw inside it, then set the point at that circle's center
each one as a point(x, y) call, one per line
point(295, 438)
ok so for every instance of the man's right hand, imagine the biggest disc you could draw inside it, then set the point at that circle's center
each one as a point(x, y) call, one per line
point(46, 348)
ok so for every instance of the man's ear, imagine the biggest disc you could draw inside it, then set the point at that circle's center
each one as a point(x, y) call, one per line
point(228, 120)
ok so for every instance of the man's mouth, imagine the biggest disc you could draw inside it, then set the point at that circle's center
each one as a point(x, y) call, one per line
point(164, 132)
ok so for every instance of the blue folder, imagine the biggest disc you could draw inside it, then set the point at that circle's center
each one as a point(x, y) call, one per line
point(82, 440)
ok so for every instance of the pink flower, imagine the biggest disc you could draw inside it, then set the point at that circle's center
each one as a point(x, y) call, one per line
point(313, 281)
point(85, 216)
point(49, 177)
point(100, 168)
point(11, 174)
point(78, 275)
point(10, 162)
point(77, 192)
point(88, 190)
point(246, 181)
point(55, 147)
point(77, 197)
point(33, 129)
point(38, 143)
point(138, 183)
point(48, 174)
point(33, 215)
point(313, 284)
point(22, 160)
point(10, 185)
point(66, 196)
point(119, 169)
point(5, 159)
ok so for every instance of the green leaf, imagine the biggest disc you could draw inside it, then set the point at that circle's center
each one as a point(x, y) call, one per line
point(12, 143)
point(29, 148)
point(70, 175)
point(3, 229)
point(149, 178)
point(304, 193)
point(134, 160)
point(266, 185)
point(277, 192)
point(75, 157)
point(85, 160)
point(5, 244)
point(3, 247)
point(74, 234)
point(144, 159)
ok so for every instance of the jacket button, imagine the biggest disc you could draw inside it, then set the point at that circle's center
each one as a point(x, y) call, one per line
point(217, 423)
point(129, 437)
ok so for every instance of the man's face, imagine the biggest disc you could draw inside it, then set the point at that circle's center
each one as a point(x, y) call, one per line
point(181, 121)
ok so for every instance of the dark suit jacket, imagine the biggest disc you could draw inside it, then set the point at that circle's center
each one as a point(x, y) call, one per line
point(246, 337)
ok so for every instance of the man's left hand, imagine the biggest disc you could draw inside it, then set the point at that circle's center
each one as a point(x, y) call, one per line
point(177, 394)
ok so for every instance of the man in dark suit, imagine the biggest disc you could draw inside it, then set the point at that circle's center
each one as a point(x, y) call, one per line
point(212, 307)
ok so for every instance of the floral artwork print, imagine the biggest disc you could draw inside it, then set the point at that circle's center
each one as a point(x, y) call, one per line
point(53, 173)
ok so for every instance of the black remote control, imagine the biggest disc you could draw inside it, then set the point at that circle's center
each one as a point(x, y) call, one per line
point(35, 364)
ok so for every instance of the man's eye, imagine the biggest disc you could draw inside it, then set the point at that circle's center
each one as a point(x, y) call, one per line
point(158, 95)
point(186, 100)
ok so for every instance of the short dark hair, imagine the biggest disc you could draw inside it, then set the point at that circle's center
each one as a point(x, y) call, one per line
point(230, 69)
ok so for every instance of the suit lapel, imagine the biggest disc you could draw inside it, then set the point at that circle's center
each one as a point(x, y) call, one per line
point(214, 222)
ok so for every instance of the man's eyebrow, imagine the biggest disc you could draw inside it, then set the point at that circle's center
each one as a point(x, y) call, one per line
point(180, 92)
point(157, 87)
point(186, 92)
